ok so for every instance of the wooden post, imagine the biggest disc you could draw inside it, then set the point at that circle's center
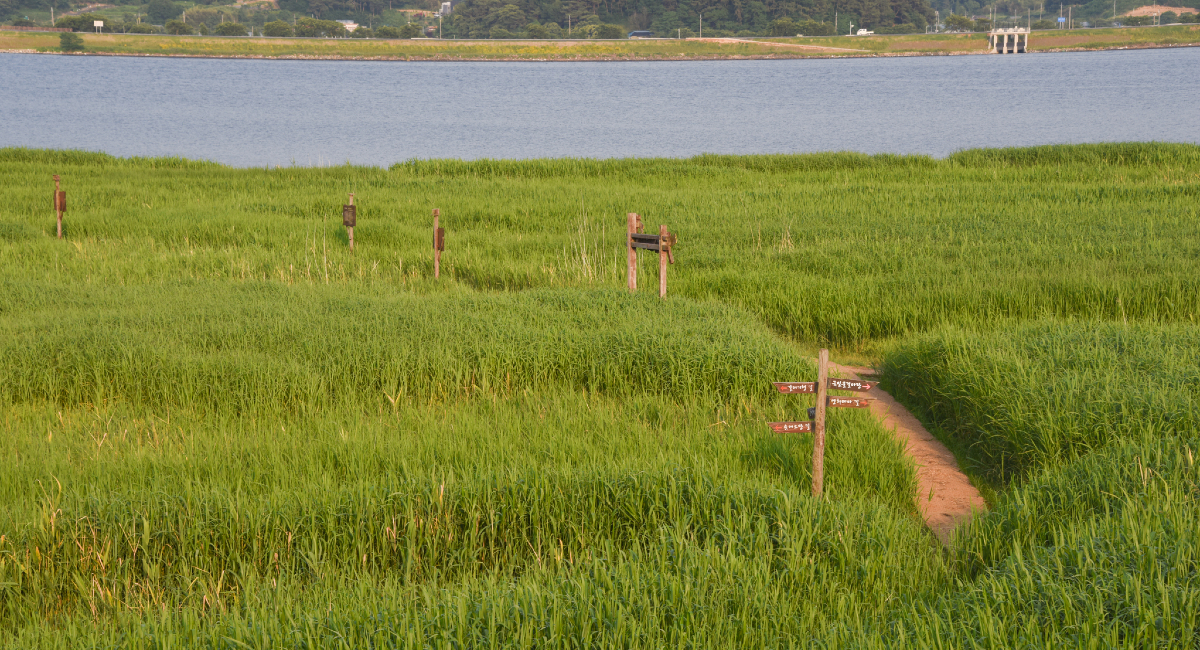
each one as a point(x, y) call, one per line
point(437, 253)
point(662, 261)
point(818, 470)
point(59, 199)
point(350, 229)
point(632, 273)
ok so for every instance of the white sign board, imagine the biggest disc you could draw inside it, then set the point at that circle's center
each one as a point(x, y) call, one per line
point(98, 23)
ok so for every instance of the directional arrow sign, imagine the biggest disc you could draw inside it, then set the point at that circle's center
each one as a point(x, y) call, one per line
point(787, 387)
point(851, 384)
point(849, 402)
point(791, 427)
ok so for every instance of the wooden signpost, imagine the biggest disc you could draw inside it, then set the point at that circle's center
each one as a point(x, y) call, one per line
point(788, 388)
point(60, 204)
point(439, 243)
point(817, 413)
point(661, 243)
point(793, 427)
point(349, 216)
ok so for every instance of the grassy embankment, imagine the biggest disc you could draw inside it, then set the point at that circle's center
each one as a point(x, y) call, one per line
point(139, 44)
point(220, 427)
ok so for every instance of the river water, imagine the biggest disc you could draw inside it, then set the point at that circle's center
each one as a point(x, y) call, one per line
point(262, 112)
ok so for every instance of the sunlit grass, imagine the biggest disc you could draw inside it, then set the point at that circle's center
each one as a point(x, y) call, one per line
point(221, 428)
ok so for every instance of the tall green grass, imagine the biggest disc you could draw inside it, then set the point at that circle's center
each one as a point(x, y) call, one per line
point(842, 249)
point(1037, 395)
point(219, 428)
point(1093, 425)
point(267, 348)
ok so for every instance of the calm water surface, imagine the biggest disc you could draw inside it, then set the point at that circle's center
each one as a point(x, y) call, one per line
point(254, 112)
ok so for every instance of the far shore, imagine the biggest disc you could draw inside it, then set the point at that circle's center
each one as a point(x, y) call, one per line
point(692, 49)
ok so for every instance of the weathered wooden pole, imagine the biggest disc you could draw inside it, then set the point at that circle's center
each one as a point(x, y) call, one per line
point(818, 470)
point(437, 245)
point(632, 272)
point(60, 204)
point(662, 261)
point(349, 217)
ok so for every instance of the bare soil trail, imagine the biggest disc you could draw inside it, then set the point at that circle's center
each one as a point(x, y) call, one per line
point(945, 497)
point(800, 46)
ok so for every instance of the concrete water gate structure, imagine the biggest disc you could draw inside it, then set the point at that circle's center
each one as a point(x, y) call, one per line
point(1009, 41)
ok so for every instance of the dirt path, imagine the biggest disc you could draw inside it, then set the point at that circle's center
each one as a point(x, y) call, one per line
point(945, 497)
point(814, 48)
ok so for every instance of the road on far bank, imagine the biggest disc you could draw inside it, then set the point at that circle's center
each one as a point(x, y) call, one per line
point(595, 50)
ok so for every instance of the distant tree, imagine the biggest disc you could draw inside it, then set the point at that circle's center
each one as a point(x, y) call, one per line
point(80, 23)
point(1042, 24)
point(362, 32)
point(387, 32)
point(500, 32)
point(983, 25)
point(70, 42)
point(509, 17)
point(21, 22)
point(1189, 18)
point(313, 27)
point(277, 28)
point(782, 27)
point(139, 28)
point(411, 30)
point(162, 10)
point(230, 29)
point(178, 28)
point(814, 28)
point(1168, 17)
point(610, 32)
point(958, 23)
point(684, 32)
point(534, 30)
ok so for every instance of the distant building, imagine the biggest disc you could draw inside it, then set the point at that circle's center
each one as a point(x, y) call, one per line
point(447, 7)
point(350, 25)
point(1009, 41)
point(641, 34)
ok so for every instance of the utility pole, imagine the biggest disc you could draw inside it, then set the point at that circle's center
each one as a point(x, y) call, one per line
point(569, 24)
point(701, 25)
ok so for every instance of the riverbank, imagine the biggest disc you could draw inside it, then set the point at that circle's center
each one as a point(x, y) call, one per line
point(585, 50)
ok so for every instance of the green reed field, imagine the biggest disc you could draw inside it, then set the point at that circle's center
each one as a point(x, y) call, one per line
point(222, 429)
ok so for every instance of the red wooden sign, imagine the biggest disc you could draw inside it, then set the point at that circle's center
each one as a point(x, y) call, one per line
point(788, 387)
point(849, 402)
point(791, 427)
point(851, 384)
